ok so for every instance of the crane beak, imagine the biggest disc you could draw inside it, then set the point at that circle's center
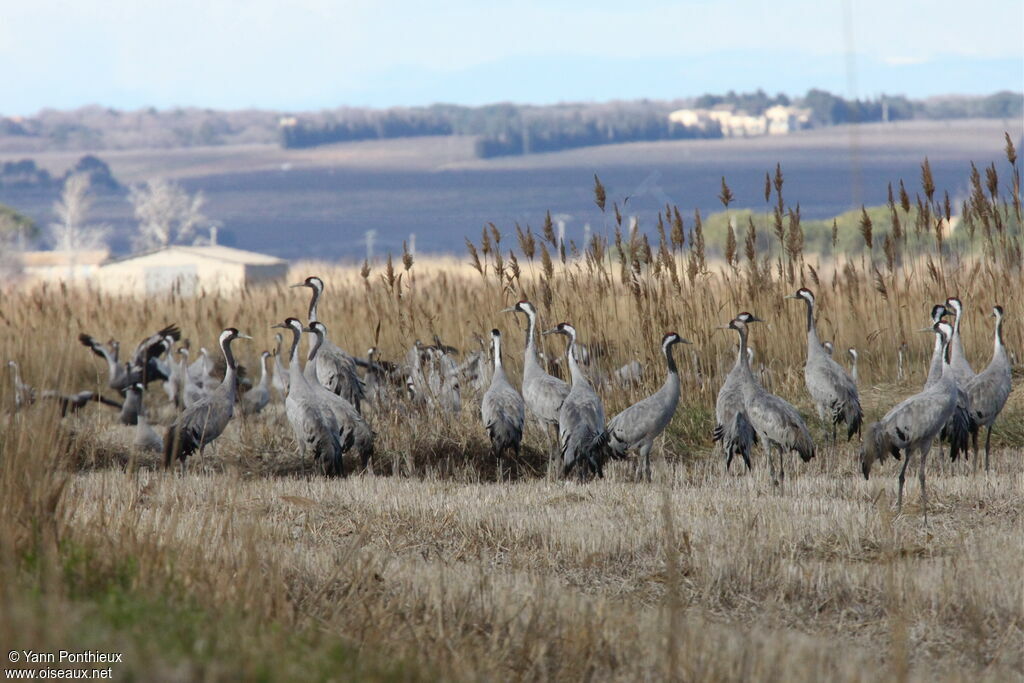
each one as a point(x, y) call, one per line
point(553, 330)
point(791, 296)
point(926, 329)
point(510, 309)
point(300, 284)
point(684, 341)
point(280, 326)
point(243, 336)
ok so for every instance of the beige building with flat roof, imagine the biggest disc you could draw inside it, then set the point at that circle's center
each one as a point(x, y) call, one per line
point(188, 271)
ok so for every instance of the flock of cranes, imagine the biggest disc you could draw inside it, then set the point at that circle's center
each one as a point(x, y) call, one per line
point(324, 394)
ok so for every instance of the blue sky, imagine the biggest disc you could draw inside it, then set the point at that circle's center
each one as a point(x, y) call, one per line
point(310, 54)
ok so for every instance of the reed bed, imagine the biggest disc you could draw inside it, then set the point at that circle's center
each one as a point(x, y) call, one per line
point(253, 565)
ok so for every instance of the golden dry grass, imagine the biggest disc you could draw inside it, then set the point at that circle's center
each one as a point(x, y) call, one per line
point(252, 565)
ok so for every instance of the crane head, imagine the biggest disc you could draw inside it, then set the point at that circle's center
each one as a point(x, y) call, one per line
point(997, 312)
point(803, 293)
point(522, 306)
point(955, 305)
point(829, 347)
point(313, 282)
point(939, 311)
point(563, 328)
point(672, 338)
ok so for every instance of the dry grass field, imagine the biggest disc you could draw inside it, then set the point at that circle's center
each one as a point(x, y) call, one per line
point(252, 565)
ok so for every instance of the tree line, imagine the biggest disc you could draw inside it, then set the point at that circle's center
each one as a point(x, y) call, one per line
point(509, 129)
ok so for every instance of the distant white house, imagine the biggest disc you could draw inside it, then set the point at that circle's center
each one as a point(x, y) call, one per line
point(776, 120)
point(188, 270)
point(62, 266)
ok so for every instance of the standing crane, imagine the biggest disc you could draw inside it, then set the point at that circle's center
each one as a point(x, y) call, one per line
point(958, 429)
point(502, 409)
point(640, 424)
point(280, 379)
point(206, 419)
point(316, 429)
point(257, 398)
point(543, 393)
point(913, 424)
point(353, 428)
point(989, 389)
point(833, 390)
point(581, 433)
point(335, 369)
point(777, 423)
point(24, 395)
point(962, 370)
point(732, 426)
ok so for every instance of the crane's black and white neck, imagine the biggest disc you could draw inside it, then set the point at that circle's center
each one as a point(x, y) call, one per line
point(317, 285)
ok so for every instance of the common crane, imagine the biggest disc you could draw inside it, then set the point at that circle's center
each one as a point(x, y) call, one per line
point(581, 433)
point(913, 424)
point(353, 428)
point(956, 432)
point(206, 420)
point(502, 409)
point(280, 378)
point(640, 424)
point(335, 369)
point(732, 426)
point(24, 395)
point(72, 403)
point(777, 423)
point(316, 429)
point(257, 398)
point(833, 390)
point(962, 370)
point(989, 389)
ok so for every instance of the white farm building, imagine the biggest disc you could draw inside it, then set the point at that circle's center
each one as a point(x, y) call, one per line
point(188, 270)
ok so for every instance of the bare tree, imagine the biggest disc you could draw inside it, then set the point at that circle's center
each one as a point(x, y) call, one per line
point(71, 232)
point(166, 213)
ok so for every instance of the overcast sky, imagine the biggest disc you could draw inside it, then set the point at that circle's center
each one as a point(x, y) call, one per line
point(307, 54)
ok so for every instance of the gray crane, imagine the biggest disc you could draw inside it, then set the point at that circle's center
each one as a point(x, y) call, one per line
point(962, 371)
point(732, 426)
point(502, 409)
point(543, 393)
point(914, 423)
point(316, 429)
point(72, 403)
point(581, 433)
point(24, 395)
point(335, 369)
point(989, 389)
point(117, 374)
point(280, 378)
point(257, 398)
point(777, 423)
point(353, 430)
point(833, 390)
point(205, 421)
point(640, 424)
point(146, 438)
point(853, 365)
point(956, 432)
point(132, 407)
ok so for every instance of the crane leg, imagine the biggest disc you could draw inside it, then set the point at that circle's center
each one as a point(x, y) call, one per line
point(645, 454)
point(988, 441)
point(974, 441)
point(782, 471)
point(902, 479)
point(920, 477)
point(771, 462)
